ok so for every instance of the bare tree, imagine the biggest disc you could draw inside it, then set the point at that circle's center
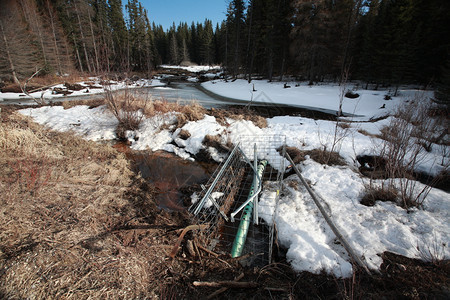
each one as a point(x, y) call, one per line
point(8, 55)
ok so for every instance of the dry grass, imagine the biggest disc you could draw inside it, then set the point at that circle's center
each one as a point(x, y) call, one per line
point(216, 141)
point(374, 194)
point(344, 125)
point(319, 155)
point(130, 110)
point(90, 103)
point(326, 157)
point(69, 233)
point(238, 114)
point(296, 154)
point(366, 133)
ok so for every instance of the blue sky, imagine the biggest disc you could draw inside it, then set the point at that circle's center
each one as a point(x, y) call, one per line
point(165, 12)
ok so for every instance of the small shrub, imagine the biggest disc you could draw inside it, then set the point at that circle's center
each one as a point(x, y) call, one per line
point(127, 109)
point(404, 150)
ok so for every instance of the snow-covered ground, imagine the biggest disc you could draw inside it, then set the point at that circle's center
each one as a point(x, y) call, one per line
point(48, 94)
point(311, 244)
point(194, 69)
point(369, 105)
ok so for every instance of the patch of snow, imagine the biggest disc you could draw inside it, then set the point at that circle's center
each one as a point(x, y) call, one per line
point(193, 69)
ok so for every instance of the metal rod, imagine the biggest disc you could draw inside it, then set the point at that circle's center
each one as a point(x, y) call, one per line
point(333, 227)
point(255, 178)
point(216, 205)
point(219, 175)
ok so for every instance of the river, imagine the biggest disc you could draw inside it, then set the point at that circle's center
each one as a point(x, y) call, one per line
point(186, 92)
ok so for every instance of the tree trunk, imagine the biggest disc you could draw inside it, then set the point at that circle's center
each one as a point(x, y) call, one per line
point(93, 42)
point(52, 23)
point(75, 45)
point(8, 55)
point(82, 40)
point(248, 47)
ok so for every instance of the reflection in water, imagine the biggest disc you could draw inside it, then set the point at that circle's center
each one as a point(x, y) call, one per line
point(168, 173)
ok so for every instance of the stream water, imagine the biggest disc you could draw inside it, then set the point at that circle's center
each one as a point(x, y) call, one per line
point(169, 174)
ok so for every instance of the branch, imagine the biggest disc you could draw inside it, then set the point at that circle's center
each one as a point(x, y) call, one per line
point(224, 289)
point(24, 88)
point(229, 284)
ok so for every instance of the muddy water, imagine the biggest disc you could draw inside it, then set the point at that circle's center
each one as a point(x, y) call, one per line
point(169, 174)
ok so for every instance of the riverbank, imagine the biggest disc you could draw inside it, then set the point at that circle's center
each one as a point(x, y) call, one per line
point(342, 187)
point(104, 244)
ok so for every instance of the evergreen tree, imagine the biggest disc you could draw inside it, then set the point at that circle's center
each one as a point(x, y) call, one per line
point(173, 46)
point(206, 43)
point(442, 93)
point(235, 38)
point(119, 35)
point(161, 45)
point(104, 33)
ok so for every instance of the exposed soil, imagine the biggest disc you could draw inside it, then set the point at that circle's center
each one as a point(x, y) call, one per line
point(78, 223)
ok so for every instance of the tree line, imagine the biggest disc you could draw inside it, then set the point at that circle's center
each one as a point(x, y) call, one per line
point(378, 41)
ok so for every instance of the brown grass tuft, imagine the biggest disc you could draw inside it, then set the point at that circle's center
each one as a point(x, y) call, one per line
point(344, 125)
point(319, 155)
point(215, 141)
point(91, 103)
point(326, 157)
point(378, 194)
point(238, 114)
point(296, 154)
point(191, 112)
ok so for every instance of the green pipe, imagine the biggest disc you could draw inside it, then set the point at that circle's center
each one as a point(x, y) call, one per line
point(241, 235)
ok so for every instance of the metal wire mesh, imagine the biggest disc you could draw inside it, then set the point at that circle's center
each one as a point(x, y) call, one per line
point(229, 188)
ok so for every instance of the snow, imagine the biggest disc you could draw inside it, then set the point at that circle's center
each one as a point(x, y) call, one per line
point(194, 69)
point(86, 91)
point(319, 97)
point(311, 244)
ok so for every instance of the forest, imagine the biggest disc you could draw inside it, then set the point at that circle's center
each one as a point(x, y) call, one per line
point(381, 42)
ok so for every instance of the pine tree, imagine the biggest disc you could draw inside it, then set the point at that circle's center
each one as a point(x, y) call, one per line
point(173, 46)
point(105, 47)
point(442, 93)
point(206, 43)
point(235, 38)
point(119, 35)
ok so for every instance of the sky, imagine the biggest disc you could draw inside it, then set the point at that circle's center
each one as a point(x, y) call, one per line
point(165, 12)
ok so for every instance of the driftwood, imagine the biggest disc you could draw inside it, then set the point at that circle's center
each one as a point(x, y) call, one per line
point(224, 289)
point(228, 284)
point(183, 233)
point(43, 87)
point(214, 254)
